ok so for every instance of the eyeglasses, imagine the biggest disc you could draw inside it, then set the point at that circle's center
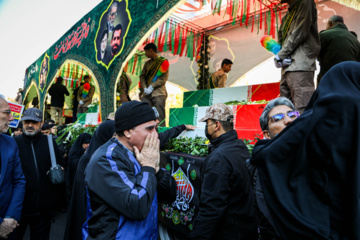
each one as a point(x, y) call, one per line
point(280, 116)
point(210, 124)
point(8, 112)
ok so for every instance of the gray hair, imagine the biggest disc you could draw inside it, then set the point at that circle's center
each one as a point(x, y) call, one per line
point(114, 4)
point(264, 118)
point(334, 19)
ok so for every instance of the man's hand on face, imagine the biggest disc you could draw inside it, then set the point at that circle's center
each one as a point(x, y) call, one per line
point(7, 227)
point(150, 152)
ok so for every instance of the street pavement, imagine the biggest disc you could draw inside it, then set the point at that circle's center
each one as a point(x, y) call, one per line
point(57, 228)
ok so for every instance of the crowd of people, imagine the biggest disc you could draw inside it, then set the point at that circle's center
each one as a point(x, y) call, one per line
point(300, 182)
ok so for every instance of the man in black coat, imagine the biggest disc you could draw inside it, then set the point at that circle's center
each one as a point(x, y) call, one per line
point(227, 207)
point(338, 44)
point(57, 92)
point(35, 161)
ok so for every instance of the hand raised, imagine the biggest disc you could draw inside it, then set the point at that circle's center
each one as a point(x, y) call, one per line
point(150, 152)
point(190, 127)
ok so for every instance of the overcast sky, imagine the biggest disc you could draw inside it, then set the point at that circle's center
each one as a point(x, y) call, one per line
point(27, 29)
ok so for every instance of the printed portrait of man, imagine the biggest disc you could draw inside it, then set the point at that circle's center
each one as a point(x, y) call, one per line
point(111, 16)
point(44, 72)
point(113, 27)
point(102, 53)
point(116, 40)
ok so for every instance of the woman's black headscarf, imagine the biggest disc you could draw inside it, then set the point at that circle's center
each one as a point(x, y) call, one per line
point(310, 172)
point(77, 206)
point(75, 153)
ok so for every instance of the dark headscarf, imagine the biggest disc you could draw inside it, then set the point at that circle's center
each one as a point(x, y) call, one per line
point(77, 150)
point(75, 153)
point(310, 172)
point(77, 206)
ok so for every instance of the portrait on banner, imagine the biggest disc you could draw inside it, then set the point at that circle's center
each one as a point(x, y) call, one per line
point(113, 27)
point(44, 70)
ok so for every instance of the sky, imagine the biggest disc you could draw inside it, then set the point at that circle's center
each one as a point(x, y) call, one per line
point(25, 35)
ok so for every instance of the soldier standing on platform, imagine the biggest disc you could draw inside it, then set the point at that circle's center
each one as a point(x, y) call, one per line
point(153, 79)
point(218, 78)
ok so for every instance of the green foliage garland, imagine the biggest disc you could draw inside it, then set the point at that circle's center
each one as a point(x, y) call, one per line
point(198, 146)
point(244, 102)
point(203, 72)
point(195, 146)
point(69, 135)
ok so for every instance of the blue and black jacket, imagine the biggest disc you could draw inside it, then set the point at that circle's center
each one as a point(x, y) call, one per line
point(122, 196)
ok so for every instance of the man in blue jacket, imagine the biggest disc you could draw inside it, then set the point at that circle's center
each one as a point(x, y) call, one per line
point(12, 180)
point(121, 181)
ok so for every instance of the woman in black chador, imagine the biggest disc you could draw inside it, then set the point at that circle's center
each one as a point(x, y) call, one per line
point(77, 206)
point(310, 171)
point(76, 151)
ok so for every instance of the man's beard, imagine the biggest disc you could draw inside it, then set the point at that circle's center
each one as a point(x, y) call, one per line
point(4, 128)
point(30, 134)
point(114, 50)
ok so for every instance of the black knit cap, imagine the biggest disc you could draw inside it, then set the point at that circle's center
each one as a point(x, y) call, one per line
point(131, 114)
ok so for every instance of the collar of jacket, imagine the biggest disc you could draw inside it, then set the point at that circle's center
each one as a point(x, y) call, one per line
point(226, 137)
point(34, 138)
point(339, 25)
point(122, 145)
point(292, 5)
point(257, 148)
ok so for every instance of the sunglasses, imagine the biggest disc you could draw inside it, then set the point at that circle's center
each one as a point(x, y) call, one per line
point(8, 112)
point(280, 116)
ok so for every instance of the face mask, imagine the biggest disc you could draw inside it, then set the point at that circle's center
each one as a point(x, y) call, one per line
point(209, 136)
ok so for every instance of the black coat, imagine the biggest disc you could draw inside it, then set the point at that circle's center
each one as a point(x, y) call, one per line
point(309, 173)
point(57, 92)
point(75, 153)
point(165, 136)
point(35, 164)
point(227, 204)
point(77, 206)
point(75, 102)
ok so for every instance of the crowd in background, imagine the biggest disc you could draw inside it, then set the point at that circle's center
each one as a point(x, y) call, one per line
point(301, 182)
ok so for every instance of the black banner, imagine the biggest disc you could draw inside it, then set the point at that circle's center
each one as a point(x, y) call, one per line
point(185, 168)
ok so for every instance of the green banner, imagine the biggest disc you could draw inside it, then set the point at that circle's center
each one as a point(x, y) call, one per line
point(180, 116)
point(199, 98)
point(100, 43)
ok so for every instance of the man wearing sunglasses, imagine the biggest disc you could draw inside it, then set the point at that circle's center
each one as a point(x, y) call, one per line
point(276, 116)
